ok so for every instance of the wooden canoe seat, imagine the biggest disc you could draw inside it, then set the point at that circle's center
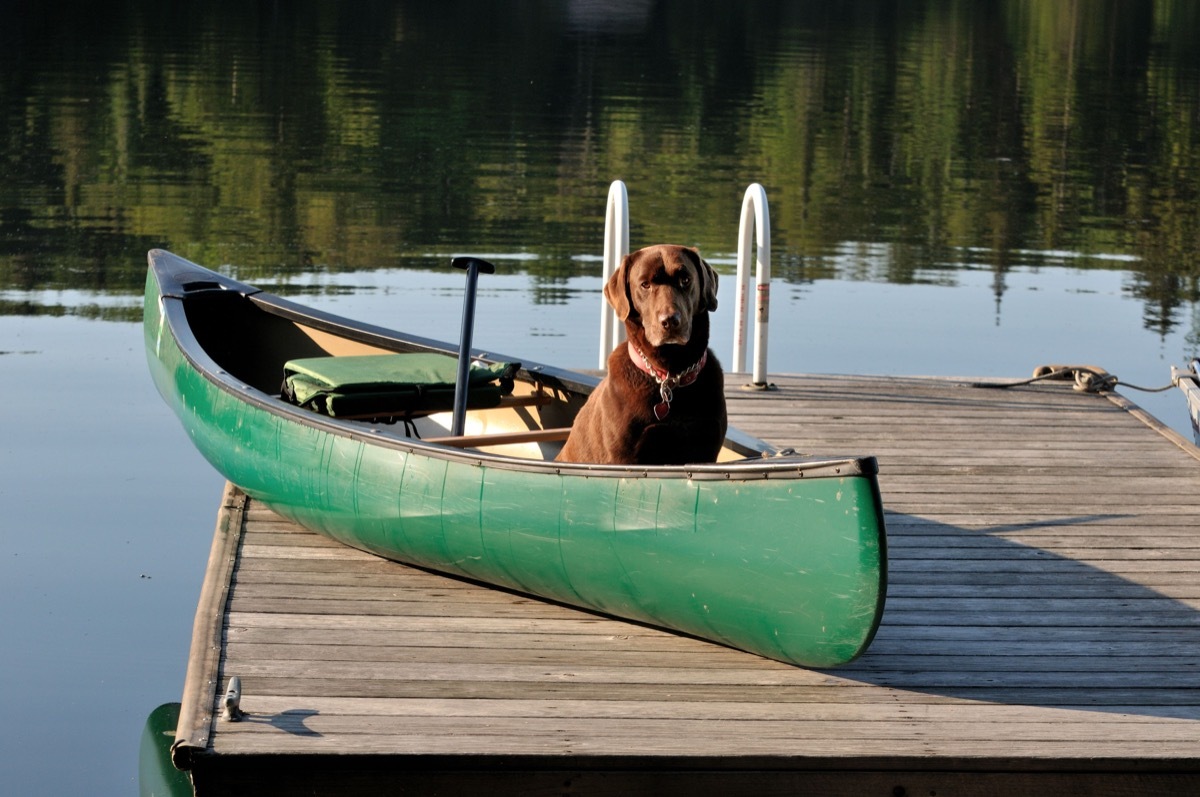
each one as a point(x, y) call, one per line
point(531, 400)
point(503, 438)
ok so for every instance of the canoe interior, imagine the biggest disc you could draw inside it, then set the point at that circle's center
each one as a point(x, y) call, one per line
point(251, 337)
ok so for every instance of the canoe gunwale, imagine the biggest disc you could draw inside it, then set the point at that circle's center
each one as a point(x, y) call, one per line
point(178, 280)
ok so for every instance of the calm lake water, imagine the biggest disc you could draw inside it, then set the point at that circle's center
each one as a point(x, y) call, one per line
point(957, 187)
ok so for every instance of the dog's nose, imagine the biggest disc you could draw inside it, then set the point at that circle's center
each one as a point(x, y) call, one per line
point(671, 321)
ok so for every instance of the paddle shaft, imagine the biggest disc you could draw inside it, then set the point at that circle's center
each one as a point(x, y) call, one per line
point(473, 266)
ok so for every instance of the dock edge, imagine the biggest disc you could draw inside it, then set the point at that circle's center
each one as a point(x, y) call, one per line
point(196, 715)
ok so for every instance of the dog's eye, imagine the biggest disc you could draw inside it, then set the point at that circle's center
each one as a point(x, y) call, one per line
point(685, 280)
point(645, 285)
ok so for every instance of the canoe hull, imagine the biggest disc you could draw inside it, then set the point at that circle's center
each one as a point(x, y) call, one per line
point(157, 776)
point(778, 562)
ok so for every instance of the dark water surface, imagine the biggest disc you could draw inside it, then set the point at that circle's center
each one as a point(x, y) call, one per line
point(956, 187)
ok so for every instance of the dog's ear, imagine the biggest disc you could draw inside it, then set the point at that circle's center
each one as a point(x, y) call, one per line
point(708, 279)
point(616, 290)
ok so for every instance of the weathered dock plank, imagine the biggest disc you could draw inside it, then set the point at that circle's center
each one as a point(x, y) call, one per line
point(1042, 633)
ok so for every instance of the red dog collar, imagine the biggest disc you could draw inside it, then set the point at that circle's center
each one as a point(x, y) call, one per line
point(667, 381)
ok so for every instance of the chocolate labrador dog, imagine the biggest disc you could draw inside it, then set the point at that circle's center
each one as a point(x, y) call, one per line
point(663, 400)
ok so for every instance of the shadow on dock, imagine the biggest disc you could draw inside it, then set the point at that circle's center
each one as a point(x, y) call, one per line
point(1054, 612)
point(291, 721)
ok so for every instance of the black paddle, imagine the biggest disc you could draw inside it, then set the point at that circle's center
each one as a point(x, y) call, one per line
point(473, 266)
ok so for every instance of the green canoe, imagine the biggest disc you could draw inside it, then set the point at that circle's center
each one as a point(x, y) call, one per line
point(781, 556)
point(157, 776)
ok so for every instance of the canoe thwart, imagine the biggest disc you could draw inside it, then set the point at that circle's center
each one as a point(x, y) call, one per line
point(531, 400)
point(503, 438)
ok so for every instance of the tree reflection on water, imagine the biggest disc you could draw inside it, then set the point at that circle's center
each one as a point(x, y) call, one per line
point(938, 134)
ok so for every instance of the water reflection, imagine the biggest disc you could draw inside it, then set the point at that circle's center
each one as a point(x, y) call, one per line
point(315, 136)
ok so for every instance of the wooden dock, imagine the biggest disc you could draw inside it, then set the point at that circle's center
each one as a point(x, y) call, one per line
point(1042, 634)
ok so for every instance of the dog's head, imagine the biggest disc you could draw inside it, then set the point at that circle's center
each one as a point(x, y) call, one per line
point(663, 288)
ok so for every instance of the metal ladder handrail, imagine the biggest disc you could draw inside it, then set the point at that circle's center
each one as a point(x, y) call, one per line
point(754, 230)
point(616, 246)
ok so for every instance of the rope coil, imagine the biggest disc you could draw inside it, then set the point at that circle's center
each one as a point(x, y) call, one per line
point(1087, 379)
